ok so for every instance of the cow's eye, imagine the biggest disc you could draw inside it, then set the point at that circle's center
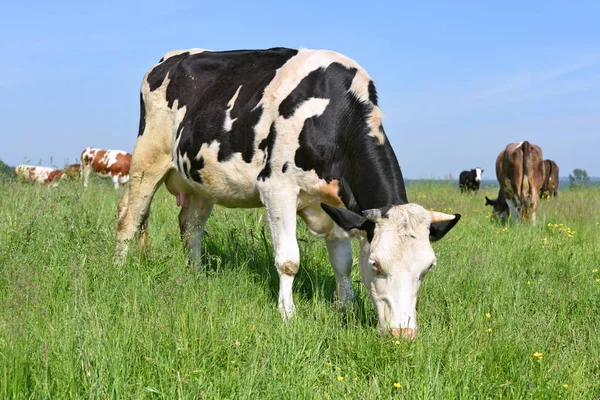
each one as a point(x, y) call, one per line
point(375, 265)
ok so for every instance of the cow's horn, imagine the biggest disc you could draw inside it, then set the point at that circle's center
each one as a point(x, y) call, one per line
point(372, 214)
point(437, 216)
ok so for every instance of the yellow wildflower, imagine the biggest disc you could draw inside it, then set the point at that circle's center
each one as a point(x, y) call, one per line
point(565, 386)
point(597, 280)
point(489, 330)
point(397, 342)
point(538, 355)
point(595, 270)
point(340, 378)
point(488, 315)
point(397, 385)
point(338, 369)
point(252, 329)
point(328, 364)
point(529, 282)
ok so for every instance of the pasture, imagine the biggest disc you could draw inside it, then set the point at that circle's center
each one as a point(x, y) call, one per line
point(509, 312)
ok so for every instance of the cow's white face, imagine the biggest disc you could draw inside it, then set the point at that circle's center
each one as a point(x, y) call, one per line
point(395, 261)
point(478, 172)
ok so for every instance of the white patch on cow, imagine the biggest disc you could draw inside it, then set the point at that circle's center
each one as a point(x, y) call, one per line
point(375, 124)
point(227, 124)
point(478, 174)
point(360, 86)
point(518, 145)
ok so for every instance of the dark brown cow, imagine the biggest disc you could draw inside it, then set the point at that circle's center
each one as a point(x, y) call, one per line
point(520, 172)
point(112, 164)
point(550, 186)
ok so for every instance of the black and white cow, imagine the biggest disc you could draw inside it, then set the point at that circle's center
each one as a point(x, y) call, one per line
point(296, 131)
point(470, 180)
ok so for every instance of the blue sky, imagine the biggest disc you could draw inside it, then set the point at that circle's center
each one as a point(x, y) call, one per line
point(457, 80)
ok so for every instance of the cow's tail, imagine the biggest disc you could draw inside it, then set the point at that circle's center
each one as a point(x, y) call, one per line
point(526, 195)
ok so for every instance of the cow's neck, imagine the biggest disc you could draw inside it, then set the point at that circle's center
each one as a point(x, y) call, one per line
point(371, 177)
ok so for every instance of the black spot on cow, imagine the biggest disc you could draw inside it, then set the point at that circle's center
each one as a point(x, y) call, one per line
point(285, 167)
point(157, 76)
point(267, 145)
point(195, 167)
point(337, 144)
point(142, 116)
point(372, 93)
point(205, 83)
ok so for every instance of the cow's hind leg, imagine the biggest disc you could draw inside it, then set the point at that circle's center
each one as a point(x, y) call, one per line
point(281, 212)
point(340, 256)
point(192, 219)
point(134, 208)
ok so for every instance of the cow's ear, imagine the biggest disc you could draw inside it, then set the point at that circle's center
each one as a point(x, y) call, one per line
point(489, 202)
point(437, 230)
point(349, 220)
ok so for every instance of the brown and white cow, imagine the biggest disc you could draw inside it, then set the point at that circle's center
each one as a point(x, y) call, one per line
point(520, 172)
point(298, 132)
point(35, 173)
point(550, 186)
point(112, 164)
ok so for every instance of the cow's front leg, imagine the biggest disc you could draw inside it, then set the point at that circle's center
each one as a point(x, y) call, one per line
point(281, 213)
point(192, 220)
point(340, 256)
point(115, 180)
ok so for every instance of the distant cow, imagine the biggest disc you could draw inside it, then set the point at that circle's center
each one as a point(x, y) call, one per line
point(470, 180)
point(72, 172)
point(112, 164)
point(550, 186)
point(298, 132)
point(35, 173)
point(520, 172)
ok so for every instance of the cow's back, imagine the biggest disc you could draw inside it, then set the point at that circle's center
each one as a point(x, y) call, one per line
point(244, 117)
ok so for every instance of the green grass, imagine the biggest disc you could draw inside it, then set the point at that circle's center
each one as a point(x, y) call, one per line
point(73, 325)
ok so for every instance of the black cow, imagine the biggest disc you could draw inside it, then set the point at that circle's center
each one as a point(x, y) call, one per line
point(470, 180)
point(296, 131)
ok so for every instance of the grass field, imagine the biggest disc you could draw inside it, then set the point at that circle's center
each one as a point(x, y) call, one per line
point(509, 312)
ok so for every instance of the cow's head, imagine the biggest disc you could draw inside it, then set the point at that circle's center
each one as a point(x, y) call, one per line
point(478, 173)
point(395, 255)
point(499, 205)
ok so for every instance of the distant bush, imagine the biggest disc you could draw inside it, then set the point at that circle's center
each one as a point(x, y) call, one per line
point(6, 171)
point(579, 178)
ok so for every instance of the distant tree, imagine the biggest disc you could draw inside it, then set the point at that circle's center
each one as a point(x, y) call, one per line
point(579, 178)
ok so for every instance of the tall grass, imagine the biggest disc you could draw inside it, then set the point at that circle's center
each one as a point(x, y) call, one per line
point(73, 325)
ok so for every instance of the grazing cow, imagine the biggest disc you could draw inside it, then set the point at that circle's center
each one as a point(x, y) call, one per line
point(112, 164)
point(72, 172)
point(470, 180)
point(33, 173)
point(499, 205)
point(520, 172)
point(298, 132)
point(550, 186)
